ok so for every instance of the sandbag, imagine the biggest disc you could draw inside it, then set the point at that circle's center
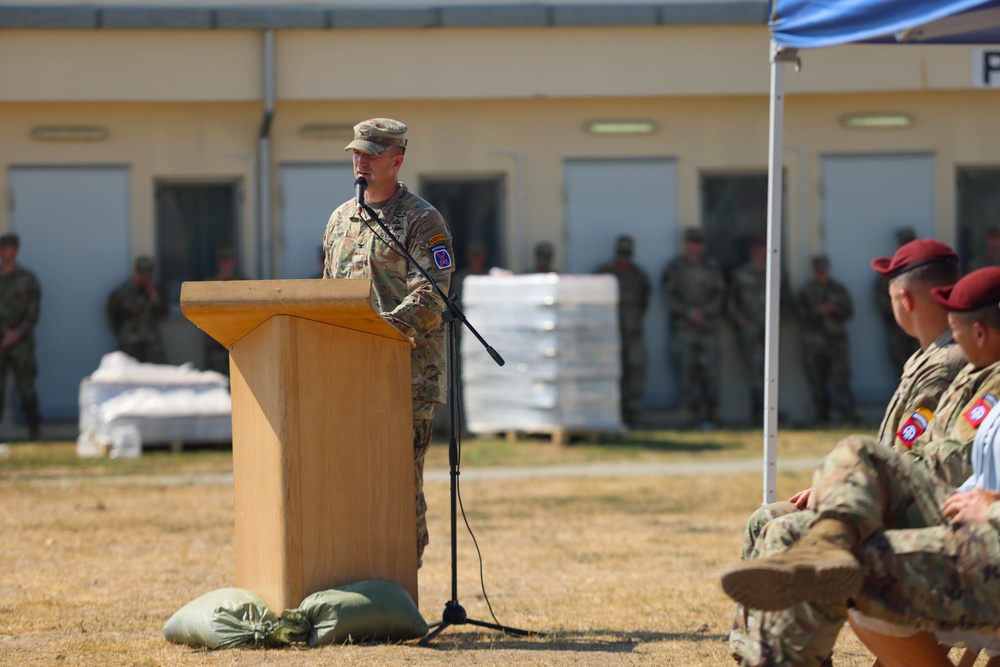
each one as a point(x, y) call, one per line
point(369, 610)
point(224, 618)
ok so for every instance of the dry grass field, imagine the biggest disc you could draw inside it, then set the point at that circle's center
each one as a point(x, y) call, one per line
point(615, 569)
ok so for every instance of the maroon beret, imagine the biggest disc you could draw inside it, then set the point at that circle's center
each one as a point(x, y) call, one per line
point(920, 252)
point(974, 291)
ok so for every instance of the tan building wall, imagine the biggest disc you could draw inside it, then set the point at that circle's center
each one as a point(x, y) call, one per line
point(186, 105)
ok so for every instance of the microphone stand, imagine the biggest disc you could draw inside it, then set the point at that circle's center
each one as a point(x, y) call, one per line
point(454, 613)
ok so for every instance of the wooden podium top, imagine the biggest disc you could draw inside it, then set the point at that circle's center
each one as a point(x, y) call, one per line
point(229, 309)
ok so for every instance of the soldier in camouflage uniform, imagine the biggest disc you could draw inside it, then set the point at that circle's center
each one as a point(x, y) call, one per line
point(824, 306)
point(20, 303)
point(746, 308)
point(633, 301)
point(913, 415)
point(802, 632)
point(694, 290)
point(355, 247)
point(901, 345)
point(134, 310)
point(216, 355)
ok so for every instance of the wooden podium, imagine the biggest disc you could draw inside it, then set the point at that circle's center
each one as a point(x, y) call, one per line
point(322, 434)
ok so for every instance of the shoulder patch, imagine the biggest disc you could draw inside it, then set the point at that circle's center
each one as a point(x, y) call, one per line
point(437, 238)
point(977, 413)
point(914, 427)
point(442, 258)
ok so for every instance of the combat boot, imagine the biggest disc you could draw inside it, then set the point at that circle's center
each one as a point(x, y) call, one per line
point(818, 568)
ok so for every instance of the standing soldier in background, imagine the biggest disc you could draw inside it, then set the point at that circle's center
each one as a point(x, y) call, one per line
point(824, 306)
point(20, 304)
point(694, 290)
point(216, 355)
point(633, 301)
point(746, 306)
point(544, 255)
point(901, 346)
point(134, 310)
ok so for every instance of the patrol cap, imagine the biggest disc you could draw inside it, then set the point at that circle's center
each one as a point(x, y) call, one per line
point(920, 252)
point(755, 242)
point(820, 263)
point(904, 235)
point(225, 252)
point(693, 235)
point(624, 246)
point(144, 265)
point(544, 249)
point(377, 135)
point(10, 239)
point(475, 248)
point(974, 291)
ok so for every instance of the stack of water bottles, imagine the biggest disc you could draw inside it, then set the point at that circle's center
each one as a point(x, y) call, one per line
point(559, 337)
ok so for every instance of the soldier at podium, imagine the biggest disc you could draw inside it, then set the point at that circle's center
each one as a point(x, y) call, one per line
point(355, 247)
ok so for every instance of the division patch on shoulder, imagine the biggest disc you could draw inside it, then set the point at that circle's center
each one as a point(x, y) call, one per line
point(914, 427)
point(442, 258)
point(977, 413)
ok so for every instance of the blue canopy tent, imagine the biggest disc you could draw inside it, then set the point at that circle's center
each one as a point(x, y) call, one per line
point(806, 24)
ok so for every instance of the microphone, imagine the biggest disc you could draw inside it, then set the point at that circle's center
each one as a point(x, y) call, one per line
point(360, 185)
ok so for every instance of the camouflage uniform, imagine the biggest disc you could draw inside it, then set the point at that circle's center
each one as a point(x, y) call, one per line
point(746, 307)
point(912, 418)
point(404, 298)
point(633, 300)
point(20, 303)
point(825, 348)
point(133, 318)
point(691, 287)
point(800, 635)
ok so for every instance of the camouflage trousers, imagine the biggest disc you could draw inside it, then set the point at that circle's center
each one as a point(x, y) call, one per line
point(633, 378)
point(920, 569)
point(828, 372)
point(695, 356)
point(422, 430)
point(751, 342)
point(19, 359)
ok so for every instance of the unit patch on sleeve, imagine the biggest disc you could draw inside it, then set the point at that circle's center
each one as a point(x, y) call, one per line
point(442, 258)
point(914, 427)
point(977, 413)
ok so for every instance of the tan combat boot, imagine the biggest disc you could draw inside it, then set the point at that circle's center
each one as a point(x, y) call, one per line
point(818, 568)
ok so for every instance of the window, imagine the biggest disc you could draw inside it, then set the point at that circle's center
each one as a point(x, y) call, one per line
point(978, 195)
point(472, 209)
point(192, 222)
point(734, 209)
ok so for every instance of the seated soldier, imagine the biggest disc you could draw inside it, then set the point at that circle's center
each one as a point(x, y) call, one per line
point(864, 494)
point(915, 414)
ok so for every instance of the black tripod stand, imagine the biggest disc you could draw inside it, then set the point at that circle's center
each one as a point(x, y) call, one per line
point(454, 613)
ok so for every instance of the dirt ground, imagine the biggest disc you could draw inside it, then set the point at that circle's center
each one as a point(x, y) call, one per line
point(614, 571)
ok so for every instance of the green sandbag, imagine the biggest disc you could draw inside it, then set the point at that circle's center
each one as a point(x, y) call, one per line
point(364, 611)
point(224, 618)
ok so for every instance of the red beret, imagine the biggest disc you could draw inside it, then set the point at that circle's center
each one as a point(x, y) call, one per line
point(920, 252)
point(974, 291)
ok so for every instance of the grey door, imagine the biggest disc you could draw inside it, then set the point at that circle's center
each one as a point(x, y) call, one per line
point(74, 228)
point(608, 197)
point(866, 199)
point(309, 194)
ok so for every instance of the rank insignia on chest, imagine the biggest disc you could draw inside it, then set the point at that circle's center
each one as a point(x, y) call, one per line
point(977, 413)
point(914, 427)
point(442, 258)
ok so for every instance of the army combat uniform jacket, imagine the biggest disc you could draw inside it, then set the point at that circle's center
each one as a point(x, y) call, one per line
point(357, 248)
